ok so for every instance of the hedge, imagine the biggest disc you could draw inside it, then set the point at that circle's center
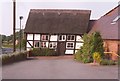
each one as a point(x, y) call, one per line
point(14, 57)
point(42, 52)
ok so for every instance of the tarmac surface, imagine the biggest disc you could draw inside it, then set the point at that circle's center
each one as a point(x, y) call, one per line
point(61, 67)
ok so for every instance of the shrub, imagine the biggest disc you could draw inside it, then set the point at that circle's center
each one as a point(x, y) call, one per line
point(92, 43)
point(97, 57)
point(78, 55)
point(14, 57)
point(43, 52)
point(107, 62)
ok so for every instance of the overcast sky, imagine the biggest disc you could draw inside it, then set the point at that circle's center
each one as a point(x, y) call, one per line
point(98, 8)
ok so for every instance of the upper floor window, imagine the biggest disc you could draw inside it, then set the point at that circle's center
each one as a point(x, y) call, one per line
point(45, 37)
point(115, 20)
point(71, 37)
point(62, 37)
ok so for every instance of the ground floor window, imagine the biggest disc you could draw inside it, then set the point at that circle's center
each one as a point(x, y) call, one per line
point(36, 44)
point(43, 44)
point(53, 45)
point(70, 45)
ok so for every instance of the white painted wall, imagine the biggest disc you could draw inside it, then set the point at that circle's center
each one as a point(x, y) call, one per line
point(29, 36)
point(78, 38)
point(69, 51)
point(31, 42)
point(78, 45)
point(53, 38)
point(36, 36)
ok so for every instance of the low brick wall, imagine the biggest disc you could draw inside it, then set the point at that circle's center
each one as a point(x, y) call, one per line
point(112, 46)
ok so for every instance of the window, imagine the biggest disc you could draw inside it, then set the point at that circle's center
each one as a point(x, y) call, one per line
point(52, 45)
point(62, 37)
point(71, 37)
point(115, 20)
point(70, 45)
point(44, 37)
point(43, 44)
point(36, 44)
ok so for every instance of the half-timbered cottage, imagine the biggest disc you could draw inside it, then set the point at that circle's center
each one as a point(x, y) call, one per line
point(108, 27)
point(60, 30)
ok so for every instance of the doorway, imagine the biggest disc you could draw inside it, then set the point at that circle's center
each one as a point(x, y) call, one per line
point(61, 48)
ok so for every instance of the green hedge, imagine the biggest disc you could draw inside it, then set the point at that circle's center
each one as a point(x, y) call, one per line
point(14, 57)
point(43, 52)
point(107, 62)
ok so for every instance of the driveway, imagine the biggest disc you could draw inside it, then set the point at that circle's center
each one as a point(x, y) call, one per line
point(62, 67)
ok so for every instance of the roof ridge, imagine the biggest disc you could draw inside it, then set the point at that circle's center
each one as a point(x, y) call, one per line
point(60, 10)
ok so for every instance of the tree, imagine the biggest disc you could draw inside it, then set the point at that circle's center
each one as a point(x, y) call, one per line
point(92, 43)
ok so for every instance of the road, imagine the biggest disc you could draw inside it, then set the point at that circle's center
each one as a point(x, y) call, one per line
point(62, 67)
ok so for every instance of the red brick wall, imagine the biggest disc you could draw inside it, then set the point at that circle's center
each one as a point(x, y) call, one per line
point(111, 46)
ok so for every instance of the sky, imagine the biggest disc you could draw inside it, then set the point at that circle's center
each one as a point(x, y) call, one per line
point(98, 8)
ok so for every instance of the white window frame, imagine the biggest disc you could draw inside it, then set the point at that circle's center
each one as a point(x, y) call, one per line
point(53, 44)
point(70, 38)
point(44, 38)
point(43, 46)
point(69, 46)
point(63, 37)
point(35, 44)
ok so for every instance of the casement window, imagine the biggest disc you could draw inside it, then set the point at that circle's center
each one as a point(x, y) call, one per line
point(115, 20)
point(36, 44)
point(45, 37)
point(70, 45)
point(53, 45)
point(70, 37)
point(62, 37)
point(43, 44)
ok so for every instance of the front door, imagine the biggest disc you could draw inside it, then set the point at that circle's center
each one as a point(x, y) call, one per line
point(61, 48)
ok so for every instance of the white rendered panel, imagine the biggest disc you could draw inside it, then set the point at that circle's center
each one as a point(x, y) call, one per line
point(53, 38)
point(37, 37)
point(78, 45)
point(28, 45)
point(29, 36)
point(69, 51)
point(31, 42)
point(28, 49)
point(78, 38)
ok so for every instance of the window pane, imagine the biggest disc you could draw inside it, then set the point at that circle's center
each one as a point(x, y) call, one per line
point(60, 37)
point(73, 38)
point(68, 37)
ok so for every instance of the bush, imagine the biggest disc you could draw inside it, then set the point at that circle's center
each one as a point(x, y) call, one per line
point(43, 52)
point(97, 57)
point(81, 57)
point(92, 43)
point(107, 62)
point(11, 58)
point(78, 55)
